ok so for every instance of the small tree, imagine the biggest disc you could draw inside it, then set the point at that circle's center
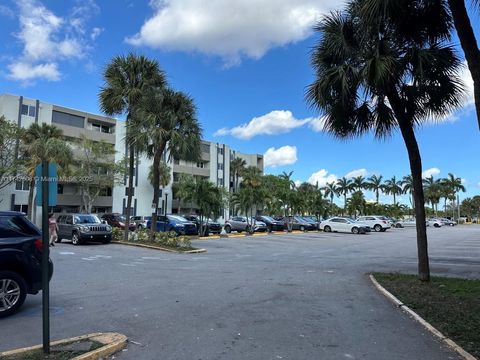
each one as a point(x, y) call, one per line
point(9, 140)
point(182, 189)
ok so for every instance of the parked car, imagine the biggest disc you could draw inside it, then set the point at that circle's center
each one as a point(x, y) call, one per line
point(312, 220)
point(272, 224)
point(239, 224)
point(20, 261)
point(448, 222)
point(139, 221)
point(435, 222)
point(411, 222)
point(214, 227)
point(118, 221)
point(297, 223)
point(174, 224)
point(81, 228)
point(342, 224)
point(377, 223)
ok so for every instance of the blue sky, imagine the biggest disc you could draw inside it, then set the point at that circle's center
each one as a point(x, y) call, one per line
point(246, 67)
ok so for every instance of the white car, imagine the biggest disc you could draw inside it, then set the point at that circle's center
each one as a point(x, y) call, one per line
point(341, 224)
point(377, 223)
point(448, 222)
point(412, 222)
point(435, 222)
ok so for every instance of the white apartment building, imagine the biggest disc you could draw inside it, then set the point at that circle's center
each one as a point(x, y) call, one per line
point(214, 163)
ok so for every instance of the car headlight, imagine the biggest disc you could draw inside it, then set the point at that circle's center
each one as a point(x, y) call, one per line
point(108, 228)
point(83, 228)
point(180, 226)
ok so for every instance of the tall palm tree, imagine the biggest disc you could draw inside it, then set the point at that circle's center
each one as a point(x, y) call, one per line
point(43, 143)
point(169, 124)
point(331, 191)
point(164, 174)
point(433, 191)
point(469, 44)
point(287, 195)
point(375, 184)
point(454, 184)
point(407, 186)
point(393, 187)
point(359, 183)
point(374, 73)
point(344, 187)
point(183, 189)
point(237, 166)
point(127, 80)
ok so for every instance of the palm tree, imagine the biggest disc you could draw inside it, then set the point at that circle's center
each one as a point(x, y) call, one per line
point(287, 195)
point(163, 173)
point(375, 184)
point(183, 189)
point(469, 44)
point(373, 73)
point(331, 190)
point(169, 125)
point(127, 80)
point(433, 191)
point(43, 143)
point(407, 186)
point(393, 187)
point(454, 184)
point(237, 166)
point(359, 183)
point(344, 186)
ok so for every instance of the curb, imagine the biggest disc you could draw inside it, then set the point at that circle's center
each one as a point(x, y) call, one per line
point(196, 251)
point(450, 343)
point(113, 342)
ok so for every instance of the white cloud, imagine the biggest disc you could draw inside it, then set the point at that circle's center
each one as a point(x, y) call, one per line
point(273, 123)
point(322, 177)
point(357, 172)
point(467, 80)
point(285, 155)
point(26, 71)
point(297, 183)
point(230, 29)
point(96, 31)
point(318, 124)
point(6, 11)
point(48, 39)
point(430, 172)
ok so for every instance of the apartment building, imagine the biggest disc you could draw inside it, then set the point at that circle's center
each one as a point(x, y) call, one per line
point(213, 165)
point(73, 123)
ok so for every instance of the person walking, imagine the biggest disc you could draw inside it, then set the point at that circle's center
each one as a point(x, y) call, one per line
point(52, 229)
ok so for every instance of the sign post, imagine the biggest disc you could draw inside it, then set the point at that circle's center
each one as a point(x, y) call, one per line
point(46, 196)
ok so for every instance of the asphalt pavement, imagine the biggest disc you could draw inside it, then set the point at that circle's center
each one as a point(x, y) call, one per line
point(295, 296)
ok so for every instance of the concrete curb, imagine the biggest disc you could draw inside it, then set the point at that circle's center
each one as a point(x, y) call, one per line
point(113, 342)
point(196, 251)
point(452, 344)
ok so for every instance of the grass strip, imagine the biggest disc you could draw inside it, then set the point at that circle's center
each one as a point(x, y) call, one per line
point(55, 353)
point(451, 305)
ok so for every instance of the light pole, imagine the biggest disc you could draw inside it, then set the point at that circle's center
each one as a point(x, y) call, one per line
point(166, 192)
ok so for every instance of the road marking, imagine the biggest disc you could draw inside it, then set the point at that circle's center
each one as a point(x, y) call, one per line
point(441, 263)
point(128, 264)
point(66, 253)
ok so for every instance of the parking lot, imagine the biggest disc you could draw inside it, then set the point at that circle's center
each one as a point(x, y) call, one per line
point(290, 296)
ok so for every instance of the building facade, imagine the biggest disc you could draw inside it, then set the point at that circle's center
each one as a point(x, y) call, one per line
point(214, 164)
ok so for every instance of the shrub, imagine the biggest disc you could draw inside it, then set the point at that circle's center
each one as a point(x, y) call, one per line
point(117, 234)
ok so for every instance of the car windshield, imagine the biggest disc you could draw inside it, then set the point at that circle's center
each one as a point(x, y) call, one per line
point(120, 218)
point(86, 219)
point(177, 218)
point(268, 218)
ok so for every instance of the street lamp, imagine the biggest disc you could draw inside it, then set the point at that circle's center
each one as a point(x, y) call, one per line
point(166, 192)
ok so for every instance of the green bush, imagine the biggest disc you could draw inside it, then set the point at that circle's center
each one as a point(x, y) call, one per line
point(117, 234)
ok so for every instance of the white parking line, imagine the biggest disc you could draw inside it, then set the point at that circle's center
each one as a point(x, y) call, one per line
point(441, 263)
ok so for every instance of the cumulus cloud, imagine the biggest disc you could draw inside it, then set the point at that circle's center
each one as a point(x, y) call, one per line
point(430, 172)
point(322, 177)
point(285, 155)
point(273, 123)
point(357, 172)
point(467, 81)
point(48, 39)
point(230, 29)
point(318, 124)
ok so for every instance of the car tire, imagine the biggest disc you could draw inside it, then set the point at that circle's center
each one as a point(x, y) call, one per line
point(327, 228)
point(228, 229)
point(398, 226)
point(76, 239)
point(355, 230)
point(436, 225)
point(17, 287)
point(377, 228)
point(383, 230)
point(302, 228)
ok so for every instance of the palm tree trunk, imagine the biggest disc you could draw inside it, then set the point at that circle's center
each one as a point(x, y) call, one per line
point(469, 46)
point(378, 195)
point(131, 165)
point(30, 211)
point(156, 187)
point(394, 199)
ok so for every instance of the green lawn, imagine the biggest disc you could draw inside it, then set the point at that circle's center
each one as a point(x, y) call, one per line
point(451, 305)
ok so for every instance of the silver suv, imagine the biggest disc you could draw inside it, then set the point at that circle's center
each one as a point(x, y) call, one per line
point(81, 228)
point(239, 224)
point(377, 223)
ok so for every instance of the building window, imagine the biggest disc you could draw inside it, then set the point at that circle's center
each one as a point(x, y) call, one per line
point(220, 166)
point(59, 117)
point(101, 128)
point(21, 208)
point(220, 182)
point(28, 110)
point(220, 150)
point(200, 164)
point(126, 191)
point(106, 191)
point(22, 185)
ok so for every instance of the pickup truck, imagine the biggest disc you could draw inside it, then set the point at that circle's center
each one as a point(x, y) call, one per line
point(20, 261)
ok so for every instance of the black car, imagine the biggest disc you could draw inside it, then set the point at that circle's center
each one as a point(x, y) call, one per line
point(213, 226)
point(297, 223)
point(81, 228)
point(272, 224)
point(20, 261)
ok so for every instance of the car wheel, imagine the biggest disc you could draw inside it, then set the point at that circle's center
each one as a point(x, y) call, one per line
point(75, 239)
point(377, 228)
point(13, 291)
point(383, 230)
point(436, 225)
point(327, 228)
point(355, 230)
point(228, 229)
point(398, 226)
point(302, 228)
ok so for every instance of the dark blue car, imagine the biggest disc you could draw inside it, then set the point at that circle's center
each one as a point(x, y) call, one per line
point(174, 223)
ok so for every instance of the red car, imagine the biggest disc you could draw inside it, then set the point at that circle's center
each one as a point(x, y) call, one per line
point(118, 221)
